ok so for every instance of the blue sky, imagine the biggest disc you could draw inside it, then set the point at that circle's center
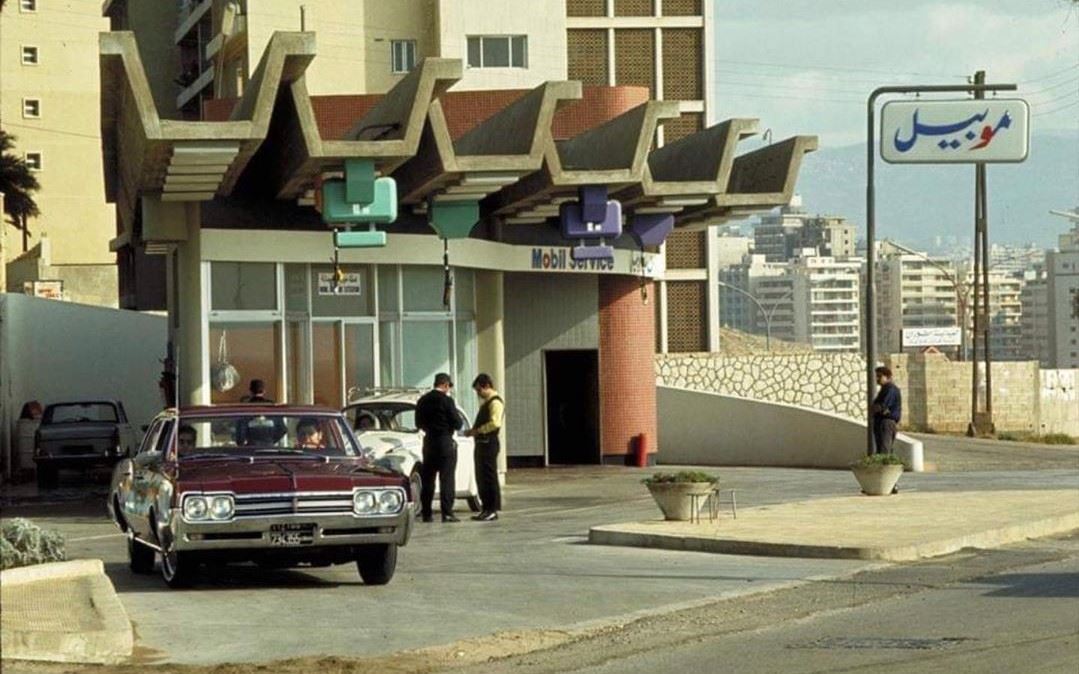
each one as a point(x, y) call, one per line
point(806, 66)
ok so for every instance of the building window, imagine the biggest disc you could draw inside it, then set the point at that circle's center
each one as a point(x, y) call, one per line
point(29, 55)
point(28, 5)
point(403, 53)
point(498, 51)
point(33, 161)
point(31, 108)
point(243, 286)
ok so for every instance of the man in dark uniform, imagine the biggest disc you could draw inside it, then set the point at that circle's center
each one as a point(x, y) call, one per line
point(436, 416)
point(887, 411)
point(485, 430)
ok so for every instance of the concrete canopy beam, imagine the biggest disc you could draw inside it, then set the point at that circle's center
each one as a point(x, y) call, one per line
point(612, 154)
point(509, 143)
point(139, 147)
point(389, 134)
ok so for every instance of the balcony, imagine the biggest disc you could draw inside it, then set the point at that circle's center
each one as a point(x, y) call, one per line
point(191, 12)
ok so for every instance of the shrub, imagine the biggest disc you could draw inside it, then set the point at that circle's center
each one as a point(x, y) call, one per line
point(1058, 439)
point(873, 460)
point(23, 543)
point(681, 477)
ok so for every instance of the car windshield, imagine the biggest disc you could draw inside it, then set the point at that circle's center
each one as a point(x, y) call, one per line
point(264, 434)
point(69, 413)
point(398, 417)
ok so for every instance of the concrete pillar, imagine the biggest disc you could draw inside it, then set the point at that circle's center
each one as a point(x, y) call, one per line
point(177, 223)
point(627, 375)
point(711, 258)
point(490, 341)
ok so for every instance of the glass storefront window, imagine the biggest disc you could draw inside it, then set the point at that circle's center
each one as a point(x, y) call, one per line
point(387, 290)
point(296, 292)
point(389, 361)
point(354, 299)
point(426, 345)
point(326, 363)
point(299, 375)
point(423, 288)
point(243, 286)
point(466, 366)
point(464, 288)
point(254, 349)
point(359, 357)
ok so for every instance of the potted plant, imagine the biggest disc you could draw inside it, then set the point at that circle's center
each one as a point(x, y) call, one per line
point(673, 492)
point(878, 473)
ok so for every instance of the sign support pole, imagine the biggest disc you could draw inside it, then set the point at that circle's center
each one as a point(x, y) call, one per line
point(870, 226)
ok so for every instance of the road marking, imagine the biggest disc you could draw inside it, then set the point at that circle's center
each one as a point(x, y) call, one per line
point(93, 538)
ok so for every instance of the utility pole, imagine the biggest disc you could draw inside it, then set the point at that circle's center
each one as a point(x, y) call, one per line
point(980, 422)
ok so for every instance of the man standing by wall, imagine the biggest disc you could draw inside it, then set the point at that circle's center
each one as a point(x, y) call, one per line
point(887, 411)
point(485, 430)
point(436, 416)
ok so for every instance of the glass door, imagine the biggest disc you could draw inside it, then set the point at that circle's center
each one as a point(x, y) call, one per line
point(361, 359)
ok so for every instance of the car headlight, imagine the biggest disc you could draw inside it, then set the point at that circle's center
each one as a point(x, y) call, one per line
point(222, 508)
point(390, 502)
point(378, 501)
point(196, 508)
point(364, 502)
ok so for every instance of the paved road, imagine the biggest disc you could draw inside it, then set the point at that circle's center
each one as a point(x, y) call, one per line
point(529, 570)
point(1012, 610)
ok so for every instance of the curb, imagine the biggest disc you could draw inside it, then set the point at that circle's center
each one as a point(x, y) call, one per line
point(1060, 524)
point(111, 644)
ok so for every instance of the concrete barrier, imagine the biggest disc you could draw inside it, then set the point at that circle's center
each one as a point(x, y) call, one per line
point(700, 428)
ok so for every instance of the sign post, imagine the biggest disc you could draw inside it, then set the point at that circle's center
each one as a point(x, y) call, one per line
point(936, 129)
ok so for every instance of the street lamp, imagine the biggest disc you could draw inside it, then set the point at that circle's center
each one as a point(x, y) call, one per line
point(960, 287)
point(767, 314)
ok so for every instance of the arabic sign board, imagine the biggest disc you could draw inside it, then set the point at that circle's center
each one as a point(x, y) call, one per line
point(350, 286)
point(50, 290)
point(955, 132)
point(916, 337)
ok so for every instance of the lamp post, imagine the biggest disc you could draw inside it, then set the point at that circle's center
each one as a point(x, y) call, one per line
point(767, 314)
point(961, 291)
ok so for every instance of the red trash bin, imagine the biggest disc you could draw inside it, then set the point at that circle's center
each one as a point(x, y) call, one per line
point(640, 453)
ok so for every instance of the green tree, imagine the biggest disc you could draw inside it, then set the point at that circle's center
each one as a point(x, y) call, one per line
point(18, 184)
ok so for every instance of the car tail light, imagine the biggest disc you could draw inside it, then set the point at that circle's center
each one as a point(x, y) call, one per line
point(116, 441)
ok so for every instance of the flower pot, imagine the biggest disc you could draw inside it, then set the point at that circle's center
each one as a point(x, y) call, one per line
point(673, 498)
point(877, 480)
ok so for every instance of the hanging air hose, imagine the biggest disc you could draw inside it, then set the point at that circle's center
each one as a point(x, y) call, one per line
point(447, 287)
point(644, 278)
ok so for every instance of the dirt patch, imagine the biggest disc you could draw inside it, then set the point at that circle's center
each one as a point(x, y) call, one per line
point(420, 661)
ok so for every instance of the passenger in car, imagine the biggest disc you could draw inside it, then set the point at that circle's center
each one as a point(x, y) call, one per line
point(185, 438)
point(309, 435)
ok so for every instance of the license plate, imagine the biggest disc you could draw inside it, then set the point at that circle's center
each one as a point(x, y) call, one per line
point(292, 534)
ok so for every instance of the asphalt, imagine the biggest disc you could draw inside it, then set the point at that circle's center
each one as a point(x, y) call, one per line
point(531, 570)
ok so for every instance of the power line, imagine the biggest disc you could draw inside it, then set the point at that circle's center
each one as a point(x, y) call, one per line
point(47, 129)
point(1051, 75)
point(1043, 113)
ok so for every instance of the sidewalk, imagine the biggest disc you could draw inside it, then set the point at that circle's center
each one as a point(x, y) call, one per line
point(903, 527)
point(63, 612)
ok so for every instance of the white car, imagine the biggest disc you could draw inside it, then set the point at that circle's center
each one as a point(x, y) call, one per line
point(384, 421)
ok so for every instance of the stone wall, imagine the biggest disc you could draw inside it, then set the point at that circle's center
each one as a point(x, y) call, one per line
point(822, 381)
point(1059, 402)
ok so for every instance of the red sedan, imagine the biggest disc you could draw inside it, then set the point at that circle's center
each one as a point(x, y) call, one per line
point(279, 485)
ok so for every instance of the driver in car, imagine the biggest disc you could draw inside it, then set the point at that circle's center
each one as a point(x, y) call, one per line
point(309, 435)
point(185, 438)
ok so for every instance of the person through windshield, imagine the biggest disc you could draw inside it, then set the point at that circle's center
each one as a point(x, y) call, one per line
point(309, 435)
point(185, 438)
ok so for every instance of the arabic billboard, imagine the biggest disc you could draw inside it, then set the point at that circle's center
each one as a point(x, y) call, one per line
point(914, 337)
point(955, 132)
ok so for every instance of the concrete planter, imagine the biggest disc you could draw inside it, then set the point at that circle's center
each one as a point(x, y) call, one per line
point(673, 498)
point(877, 480)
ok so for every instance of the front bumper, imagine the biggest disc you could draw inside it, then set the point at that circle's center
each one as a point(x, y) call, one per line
point(253, 533)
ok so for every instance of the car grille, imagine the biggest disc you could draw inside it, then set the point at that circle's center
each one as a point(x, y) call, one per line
point(301, 503)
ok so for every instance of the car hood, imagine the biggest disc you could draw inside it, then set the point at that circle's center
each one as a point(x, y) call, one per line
point(381, 443)
point(277, 475)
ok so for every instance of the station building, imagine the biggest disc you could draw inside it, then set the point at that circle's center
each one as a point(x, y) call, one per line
point(230, 204)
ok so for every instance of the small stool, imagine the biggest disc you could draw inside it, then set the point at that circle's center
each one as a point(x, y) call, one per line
point(712, 501)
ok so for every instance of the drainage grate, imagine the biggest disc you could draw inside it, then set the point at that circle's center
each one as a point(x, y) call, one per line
point(884, 643)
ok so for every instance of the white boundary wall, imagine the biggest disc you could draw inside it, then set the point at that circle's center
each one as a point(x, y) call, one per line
point(52, 351)
point(699, 428)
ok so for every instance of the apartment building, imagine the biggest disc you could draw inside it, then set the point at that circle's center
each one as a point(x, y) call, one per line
point(780, 235)
point(49, 102)
point(1005, 315)
point(916, 291)
point(1062, 288)
point(668, 47)
point(1034, 322)
point(811, 299)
